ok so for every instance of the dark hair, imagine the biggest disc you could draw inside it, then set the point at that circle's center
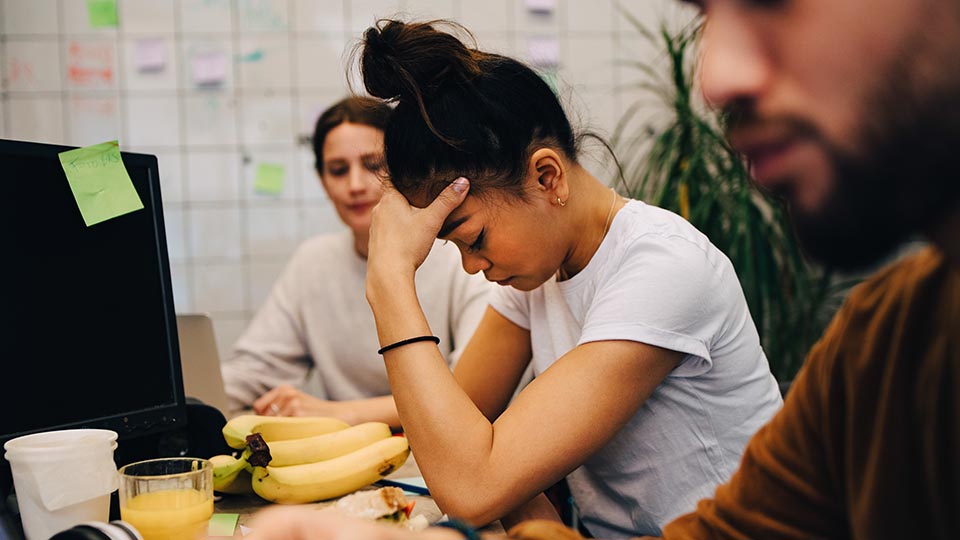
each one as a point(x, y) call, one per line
point(459, 111)
point(354, 109)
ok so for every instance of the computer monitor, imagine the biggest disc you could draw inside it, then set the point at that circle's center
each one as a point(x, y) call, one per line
point(88, 334)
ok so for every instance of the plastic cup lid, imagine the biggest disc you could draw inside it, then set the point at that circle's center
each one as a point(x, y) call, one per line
point(55, 443)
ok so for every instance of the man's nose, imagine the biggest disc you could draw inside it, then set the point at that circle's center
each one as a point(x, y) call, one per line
point(733, 66)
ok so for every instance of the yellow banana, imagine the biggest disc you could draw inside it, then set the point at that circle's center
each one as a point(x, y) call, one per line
point(230, 474)
point(278, 428)
point(241, 485)
point(326, 446)
point(298, 484)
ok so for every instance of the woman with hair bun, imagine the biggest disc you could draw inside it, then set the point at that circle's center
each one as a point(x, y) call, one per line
point(650, 377)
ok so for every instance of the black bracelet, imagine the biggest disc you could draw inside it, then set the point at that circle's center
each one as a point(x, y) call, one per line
point(434, 339)
point(467, 531)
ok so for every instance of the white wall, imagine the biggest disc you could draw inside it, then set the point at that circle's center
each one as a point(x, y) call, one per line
point(65, 82)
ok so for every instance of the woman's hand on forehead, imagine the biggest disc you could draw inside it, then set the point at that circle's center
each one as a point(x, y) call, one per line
point(401, 234)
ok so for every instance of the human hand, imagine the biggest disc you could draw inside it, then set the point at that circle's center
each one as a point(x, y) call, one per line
point(309, 523)
point(401, 234)
point(286, 400)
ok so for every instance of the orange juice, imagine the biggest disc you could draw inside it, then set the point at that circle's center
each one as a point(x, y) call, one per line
point(176, 514)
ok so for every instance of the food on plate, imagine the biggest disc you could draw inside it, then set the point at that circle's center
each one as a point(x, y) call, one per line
point(386, 504)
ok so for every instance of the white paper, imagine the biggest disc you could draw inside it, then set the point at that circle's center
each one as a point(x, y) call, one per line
point(73, 479)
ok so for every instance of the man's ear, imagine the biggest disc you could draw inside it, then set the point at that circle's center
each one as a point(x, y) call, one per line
point(550, 172)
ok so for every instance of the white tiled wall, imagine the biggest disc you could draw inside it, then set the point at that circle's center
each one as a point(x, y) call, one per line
point(65, 82)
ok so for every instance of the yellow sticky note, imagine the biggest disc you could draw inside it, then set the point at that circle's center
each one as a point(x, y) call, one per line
point(269, 179)
point(99, 182)
point(102, 13)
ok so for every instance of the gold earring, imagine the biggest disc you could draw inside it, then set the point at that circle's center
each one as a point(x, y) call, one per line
point(561, 203)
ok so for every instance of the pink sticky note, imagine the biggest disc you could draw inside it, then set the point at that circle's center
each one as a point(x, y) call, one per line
point(150, 55)
point(544, 51)
point(541, 6)
point(209, 68)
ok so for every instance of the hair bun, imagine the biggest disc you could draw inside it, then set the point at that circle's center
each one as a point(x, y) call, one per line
point(413, 61)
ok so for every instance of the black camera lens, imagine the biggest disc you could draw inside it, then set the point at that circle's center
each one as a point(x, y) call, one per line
point(94, 530)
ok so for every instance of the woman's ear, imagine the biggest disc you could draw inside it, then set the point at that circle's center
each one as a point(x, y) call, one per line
point(550, 172)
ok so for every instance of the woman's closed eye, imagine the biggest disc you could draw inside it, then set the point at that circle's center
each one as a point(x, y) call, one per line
point(477, 244)
point(338, 168)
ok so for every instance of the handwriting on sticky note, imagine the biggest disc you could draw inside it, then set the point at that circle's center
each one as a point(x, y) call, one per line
point(91, 65)
point(102, 13)
point(150, 55)
point(222, 524)
point(99, 182)
point(269, 179)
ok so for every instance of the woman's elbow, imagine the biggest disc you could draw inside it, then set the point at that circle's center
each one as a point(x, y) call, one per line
point(477, 509)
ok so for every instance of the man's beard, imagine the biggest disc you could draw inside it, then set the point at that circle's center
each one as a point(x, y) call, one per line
point(902, 180)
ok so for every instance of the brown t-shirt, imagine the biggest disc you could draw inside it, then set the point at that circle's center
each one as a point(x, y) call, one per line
point(868, 442)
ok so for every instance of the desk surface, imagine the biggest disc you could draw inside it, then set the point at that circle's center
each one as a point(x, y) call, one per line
point(246, 506)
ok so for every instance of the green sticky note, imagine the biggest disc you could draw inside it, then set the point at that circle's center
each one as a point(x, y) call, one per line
point(102, 13)
point(222, 524)
point(269, 179)
point(100, 182)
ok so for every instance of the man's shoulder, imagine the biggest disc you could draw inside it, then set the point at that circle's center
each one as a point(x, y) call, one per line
point(899, 281)
point(900, 304)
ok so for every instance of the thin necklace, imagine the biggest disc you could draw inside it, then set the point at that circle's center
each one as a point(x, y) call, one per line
point(606, 226)
point(561, 273)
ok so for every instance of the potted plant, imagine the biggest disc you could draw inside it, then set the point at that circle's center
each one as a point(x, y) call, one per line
point(687, 166)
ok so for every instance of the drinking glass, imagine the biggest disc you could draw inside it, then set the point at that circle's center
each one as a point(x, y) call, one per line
point(168, 498)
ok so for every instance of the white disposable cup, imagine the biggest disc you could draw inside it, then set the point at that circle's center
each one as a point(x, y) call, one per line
point(44, 458)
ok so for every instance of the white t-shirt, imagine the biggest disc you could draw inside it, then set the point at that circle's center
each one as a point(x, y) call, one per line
point(316, 329)
point(655, 279)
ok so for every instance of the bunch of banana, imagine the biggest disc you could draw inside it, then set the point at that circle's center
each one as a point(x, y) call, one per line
point(298, 484)
point(299, 460)
point(277, 428)
point(232, 475)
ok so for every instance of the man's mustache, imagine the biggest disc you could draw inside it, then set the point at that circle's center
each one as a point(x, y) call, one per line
point(740, 120)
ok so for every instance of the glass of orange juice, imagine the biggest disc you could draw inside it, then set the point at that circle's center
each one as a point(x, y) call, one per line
point(168, 498)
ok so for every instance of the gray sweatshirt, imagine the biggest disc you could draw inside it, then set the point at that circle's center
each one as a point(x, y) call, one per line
point(316, 331)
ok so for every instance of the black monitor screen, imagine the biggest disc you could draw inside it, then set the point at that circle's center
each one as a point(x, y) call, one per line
point(88, 332)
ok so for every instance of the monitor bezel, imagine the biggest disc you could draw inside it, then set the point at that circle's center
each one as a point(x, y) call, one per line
point(140, 422)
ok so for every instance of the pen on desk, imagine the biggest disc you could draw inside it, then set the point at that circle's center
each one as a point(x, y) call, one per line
point(407, 487)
